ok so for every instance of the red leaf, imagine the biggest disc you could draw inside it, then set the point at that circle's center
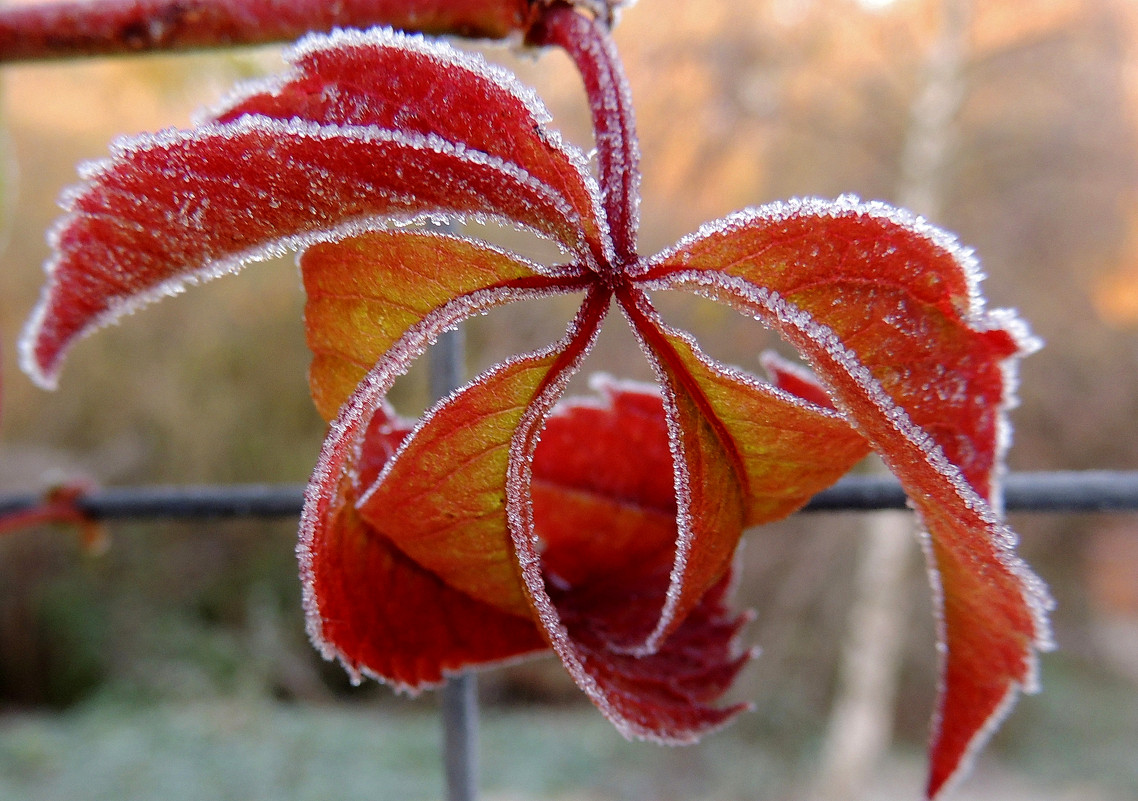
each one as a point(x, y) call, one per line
point(440, 498)
point(885, 309)
point(603, 542)
point(796, 380)
point(473, 516)
point(61, 505)
point(900, 293)
point(623, 483)
point(377, 610)
point(366, 292)
point(181, 207)
point(184, 207)
point(395, 82)
point(750, 454)
point(381, 612)
point(665, 696)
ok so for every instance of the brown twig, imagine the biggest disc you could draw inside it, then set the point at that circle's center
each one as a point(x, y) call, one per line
point(70, 28)
point(60, 505)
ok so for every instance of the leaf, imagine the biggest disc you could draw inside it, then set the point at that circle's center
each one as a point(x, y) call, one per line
point(666, 696)
point(603, 536)
point(61, 504)
point(442, 497)
point(795, 379)
point(409, 84)
point(886, 310)
point(901, 294)
point(439, 498)
point(786, 448)
point(606, 530)
point(622, 483)
point(366, 292)
point(357, 579)
point(751, 454)
point(182, 207)
point(378, 611)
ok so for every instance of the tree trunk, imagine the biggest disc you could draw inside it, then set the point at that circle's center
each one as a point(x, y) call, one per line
point(860, 727)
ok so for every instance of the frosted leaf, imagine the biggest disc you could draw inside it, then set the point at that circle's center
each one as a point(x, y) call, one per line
point(731, 434)
point(644, 697)
point(858, 289)
point(871, 269)
point(519, 511)
point(380, 614)
point(1030, 589)
point(796, 380)
point(369, 135)
point(137, 230)
point(341, 452)
point(364, 292)
point(401, 82)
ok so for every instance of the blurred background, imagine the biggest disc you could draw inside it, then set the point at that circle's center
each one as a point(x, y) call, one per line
point(175, 664)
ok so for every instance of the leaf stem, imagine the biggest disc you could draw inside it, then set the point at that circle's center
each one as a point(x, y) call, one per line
point(588, 43)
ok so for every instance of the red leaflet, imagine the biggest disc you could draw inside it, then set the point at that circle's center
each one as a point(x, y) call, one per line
point(795, 379)
point(899, 293)
point(384, 614)
point(921, 369)
point(175, 207)
point(420, 89)
point(371, 292)
point(505, 518)
point(607, 527)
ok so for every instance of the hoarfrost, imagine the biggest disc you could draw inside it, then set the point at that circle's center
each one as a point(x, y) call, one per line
point(681, 483)
point(340, 452)
point(195, 227)
point(306, 56)
point(520, 516)
point(845, 205)
point(768, 306)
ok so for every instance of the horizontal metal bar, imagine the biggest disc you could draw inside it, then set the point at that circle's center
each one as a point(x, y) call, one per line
point(193, 501)
point(1061, 491)
point(1064, 491)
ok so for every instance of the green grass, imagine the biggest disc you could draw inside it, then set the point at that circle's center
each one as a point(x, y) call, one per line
point(254, 750)
point(1083, 726)
point(247, 751)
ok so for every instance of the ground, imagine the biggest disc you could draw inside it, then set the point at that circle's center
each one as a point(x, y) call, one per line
point(250, 750)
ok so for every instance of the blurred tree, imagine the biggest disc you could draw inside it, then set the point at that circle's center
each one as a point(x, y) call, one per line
point(861, 723)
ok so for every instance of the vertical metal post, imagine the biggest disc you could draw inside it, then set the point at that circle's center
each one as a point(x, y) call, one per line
point(460, 737)
point(460, 694)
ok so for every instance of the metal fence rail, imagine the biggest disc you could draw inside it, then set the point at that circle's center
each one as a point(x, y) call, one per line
point(1045, 492)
